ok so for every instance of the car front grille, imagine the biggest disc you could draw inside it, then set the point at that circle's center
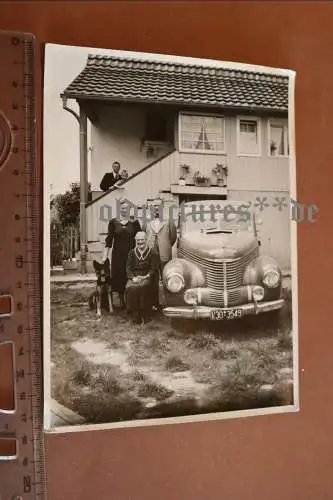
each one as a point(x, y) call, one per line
point(217, 298)
point(223, 275)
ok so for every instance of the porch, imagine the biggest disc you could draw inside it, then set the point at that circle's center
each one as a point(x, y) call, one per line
point(161, 178)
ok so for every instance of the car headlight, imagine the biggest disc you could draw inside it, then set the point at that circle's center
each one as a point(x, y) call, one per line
point(191, 297)
point(258, 293)
point(175, 283)
point(271, 278)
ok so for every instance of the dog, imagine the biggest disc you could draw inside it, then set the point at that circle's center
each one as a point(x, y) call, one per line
point(101, 299)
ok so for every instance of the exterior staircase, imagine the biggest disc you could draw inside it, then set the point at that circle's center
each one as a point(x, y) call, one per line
point(159, 178)
point(153, 180)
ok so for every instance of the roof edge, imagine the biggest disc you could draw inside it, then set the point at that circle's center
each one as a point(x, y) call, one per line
point(99, 57)
point(78, 97)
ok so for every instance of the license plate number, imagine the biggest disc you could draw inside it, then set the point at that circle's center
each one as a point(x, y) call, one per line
point(220, 314)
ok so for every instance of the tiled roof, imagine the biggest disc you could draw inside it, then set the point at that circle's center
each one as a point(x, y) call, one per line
point(117, 79)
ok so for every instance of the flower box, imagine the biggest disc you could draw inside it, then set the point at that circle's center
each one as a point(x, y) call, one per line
point(201, 180)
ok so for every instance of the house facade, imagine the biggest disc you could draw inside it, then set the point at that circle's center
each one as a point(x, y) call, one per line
point(183, 133)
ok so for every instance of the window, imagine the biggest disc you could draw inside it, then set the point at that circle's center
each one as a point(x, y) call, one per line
point(156, 127)
point(278, 138)
point(248, 136)
point(200, 133)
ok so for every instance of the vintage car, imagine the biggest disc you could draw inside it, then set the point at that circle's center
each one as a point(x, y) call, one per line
point(219, 273)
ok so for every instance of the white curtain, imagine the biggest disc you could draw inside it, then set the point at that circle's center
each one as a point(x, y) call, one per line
point(278, 140)
point(202, 133)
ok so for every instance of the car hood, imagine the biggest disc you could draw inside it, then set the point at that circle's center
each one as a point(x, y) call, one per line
point(218, 245)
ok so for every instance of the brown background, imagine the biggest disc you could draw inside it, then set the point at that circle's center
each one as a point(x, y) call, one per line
point(277, 457)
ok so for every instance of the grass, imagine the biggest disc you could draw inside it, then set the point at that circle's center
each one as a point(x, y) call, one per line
point(175, 364)
point(83, 376)
point(151, 390)
point(160, 371)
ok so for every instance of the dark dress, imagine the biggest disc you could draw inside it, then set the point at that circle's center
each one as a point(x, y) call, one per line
point(122, 238)
point(109, 180)
point(141, 296)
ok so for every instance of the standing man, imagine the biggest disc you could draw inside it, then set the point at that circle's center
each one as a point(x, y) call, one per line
point(110, 178)
point(161, 236)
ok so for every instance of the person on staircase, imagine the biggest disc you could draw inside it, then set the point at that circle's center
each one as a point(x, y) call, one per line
point(111, 178)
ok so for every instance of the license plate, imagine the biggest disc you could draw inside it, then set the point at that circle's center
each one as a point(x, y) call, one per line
point(220, 314)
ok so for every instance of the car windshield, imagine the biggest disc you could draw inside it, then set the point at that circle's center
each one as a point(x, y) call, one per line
point(215, 220)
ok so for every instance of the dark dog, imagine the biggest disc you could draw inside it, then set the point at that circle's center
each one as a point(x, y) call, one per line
point(102, 297)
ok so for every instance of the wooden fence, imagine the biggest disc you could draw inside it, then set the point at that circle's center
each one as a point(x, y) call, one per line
point(64, 243)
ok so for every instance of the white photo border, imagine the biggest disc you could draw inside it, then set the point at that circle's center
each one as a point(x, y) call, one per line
point(228, 415)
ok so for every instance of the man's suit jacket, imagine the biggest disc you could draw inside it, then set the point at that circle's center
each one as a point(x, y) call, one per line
point(165, 237)
point(109, 180)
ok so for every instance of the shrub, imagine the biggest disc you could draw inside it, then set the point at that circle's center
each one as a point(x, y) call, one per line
point(151, 390)
point(83, 375)
point(285, 340)
point(175, 364)
point(203, 341)
point(105, 408)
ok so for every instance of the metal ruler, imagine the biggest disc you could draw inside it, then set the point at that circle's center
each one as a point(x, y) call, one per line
point(22, 473)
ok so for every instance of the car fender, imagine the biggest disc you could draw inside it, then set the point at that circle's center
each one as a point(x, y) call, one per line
point(193, 275)
point(254, 272)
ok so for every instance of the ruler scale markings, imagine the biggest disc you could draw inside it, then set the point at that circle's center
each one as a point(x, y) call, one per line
point(24, 478)
point(36, 337)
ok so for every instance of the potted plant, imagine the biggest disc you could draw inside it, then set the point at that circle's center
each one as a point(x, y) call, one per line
point(201, 179)
point(184, 171)
point(221, 172)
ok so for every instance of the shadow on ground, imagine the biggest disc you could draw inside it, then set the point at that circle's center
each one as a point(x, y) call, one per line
point(110, 370)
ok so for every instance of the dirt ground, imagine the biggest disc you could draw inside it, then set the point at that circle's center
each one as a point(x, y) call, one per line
point(110, 370)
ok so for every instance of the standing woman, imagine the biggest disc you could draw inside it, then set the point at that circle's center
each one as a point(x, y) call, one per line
point(121, 238)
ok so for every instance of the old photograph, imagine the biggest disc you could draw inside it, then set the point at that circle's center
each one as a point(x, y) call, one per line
point(170, 271)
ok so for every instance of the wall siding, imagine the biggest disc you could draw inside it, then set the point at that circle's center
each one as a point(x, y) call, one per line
point(258, 173)
point(249, 177)
point(118, 138)
point(245, 172)
point(202, 162)
point(137, 190)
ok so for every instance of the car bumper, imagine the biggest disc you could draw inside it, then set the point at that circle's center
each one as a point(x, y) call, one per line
point(204, 312)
